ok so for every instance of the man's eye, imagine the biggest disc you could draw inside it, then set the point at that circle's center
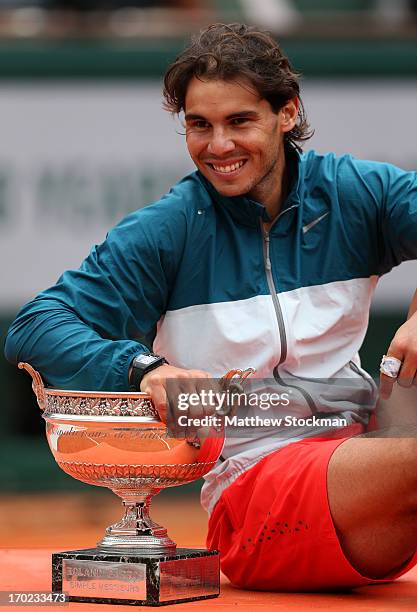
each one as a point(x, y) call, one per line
point(199, 124)
point(239, 120)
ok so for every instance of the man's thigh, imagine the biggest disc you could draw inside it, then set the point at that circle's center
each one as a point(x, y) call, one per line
point(372, 490)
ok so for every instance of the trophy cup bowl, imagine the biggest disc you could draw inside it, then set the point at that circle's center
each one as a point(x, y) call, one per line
point(116, 440)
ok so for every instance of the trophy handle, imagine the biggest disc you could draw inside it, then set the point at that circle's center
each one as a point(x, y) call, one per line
point(37, 384)
point(233, 381)
point(238, 376)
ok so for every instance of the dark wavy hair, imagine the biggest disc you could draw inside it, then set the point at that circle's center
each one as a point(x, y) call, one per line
point(234, 51)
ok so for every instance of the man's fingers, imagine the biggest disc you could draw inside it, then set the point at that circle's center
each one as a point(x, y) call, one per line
point(159, 398)
point(385, 386)
point(407, 375)
point(408, 369)
point(403, 349)
point(177, 392)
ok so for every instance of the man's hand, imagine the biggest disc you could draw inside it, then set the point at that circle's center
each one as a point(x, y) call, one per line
point(155, 384)
point(404, 348)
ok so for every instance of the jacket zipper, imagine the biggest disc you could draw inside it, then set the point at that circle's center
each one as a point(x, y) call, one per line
point(280, 318)
point(275, 299)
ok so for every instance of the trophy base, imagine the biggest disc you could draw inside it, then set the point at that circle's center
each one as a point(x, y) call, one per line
point(137, 578)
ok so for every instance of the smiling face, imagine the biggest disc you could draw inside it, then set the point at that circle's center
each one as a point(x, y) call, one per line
point(236, 140)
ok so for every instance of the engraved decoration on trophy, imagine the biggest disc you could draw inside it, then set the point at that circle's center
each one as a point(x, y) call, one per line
point(116, 440)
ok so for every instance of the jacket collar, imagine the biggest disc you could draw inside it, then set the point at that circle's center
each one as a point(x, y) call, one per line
point(247, 211)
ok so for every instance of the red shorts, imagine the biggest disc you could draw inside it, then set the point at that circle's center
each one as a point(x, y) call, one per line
point(274, 528)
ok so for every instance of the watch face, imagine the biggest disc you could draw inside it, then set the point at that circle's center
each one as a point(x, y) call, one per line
point(146, 359)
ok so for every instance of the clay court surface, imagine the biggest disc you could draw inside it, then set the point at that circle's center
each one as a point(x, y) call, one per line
point(34, 526)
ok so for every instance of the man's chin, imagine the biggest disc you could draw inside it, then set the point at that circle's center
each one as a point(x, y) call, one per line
point(229, 191)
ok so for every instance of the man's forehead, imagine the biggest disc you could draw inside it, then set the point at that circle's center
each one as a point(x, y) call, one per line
point(216, 94)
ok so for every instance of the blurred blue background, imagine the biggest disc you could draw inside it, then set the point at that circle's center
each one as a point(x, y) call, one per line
point(84, 140)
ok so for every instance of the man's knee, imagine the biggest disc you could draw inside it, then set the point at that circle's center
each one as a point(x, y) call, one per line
point(372, 490)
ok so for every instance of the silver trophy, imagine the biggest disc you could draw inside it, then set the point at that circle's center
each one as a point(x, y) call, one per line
point(116, 440)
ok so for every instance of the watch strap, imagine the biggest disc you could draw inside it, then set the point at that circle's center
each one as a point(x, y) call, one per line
point(141, 365)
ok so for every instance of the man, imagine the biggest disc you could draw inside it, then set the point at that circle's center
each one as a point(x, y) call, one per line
point(264, 257)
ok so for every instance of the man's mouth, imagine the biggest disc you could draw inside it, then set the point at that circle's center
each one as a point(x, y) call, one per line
point(227, 168)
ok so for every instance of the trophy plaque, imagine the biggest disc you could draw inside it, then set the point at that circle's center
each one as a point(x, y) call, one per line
point(117, 440)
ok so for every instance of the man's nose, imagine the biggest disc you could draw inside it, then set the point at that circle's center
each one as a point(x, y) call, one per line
point(220, 143)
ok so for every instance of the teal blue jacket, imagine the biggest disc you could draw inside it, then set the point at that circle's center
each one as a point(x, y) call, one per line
point(189, 274)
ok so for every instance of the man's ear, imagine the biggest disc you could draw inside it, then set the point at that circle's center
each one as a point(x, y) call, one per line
point(289, 114)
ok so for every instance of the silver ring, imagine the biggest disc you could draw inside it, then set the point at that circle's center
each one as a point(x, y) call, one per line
point(390, 366)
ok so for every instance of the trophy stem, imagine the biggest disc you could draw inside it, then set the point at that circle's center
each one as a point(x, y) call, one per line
point(136, 529)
